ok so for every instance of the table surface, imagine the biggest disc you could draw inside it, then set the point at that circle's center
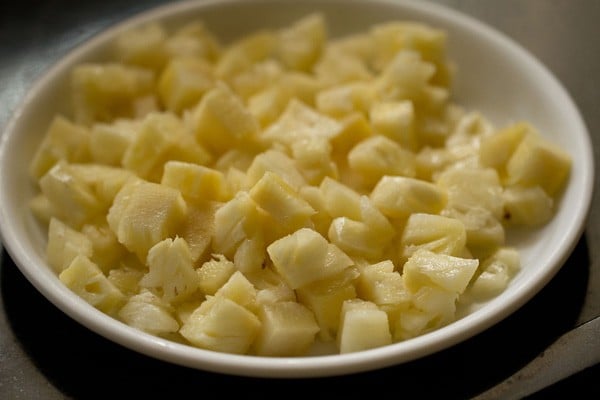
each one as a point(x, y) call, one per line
point(46, 355)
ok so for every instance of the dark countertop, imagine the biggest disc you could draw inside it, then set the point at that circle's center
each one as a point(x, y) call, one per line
point(46, 355)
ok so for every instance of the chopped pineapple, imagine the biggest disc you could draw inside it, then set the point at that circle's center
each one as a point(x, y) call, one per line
point(194, 181)
point(214, 273)
point(147, 312)
point(84, 278)
point(171, 270)
point(64, 244)
point(363, 326)
point(443, 235)
point(287, 329)
point(183, 82)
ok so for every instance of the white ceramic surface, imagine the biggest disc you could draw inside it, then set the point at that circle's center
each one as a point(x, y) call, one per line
point(495, 76)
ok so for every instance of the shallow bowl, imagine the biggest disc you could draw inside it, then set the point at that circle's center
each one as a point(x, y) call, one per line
point(495, 76)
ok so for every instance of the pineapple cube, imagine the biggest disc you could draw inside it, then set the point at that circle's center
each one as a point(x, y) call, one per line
point(104, 181)
point(236, 220)
point(244, 53)
point(495, 150)
point(223, 326)
point(183, 82)
point(425, 268)
point(195, 182)
point(277, 162)
point(197, 229)
point(256, 78)
point(193, 39)
point(239, 289)
point(472, 188)
point(321, 219)
point(395, 120)
point(143, 46)
point(149, 313)
point(410, 323)
point(471, 128)
point(439, 304)
point(271, 288)
point(251, 254)
point(104, 92)
point(287, 329)
point(221, 121)
point(530, 206)
point(337, 67)
point(305, 256)
point(63, 140)
point(171, 271)
point(405, 77)
point(282, 202)
point(495, 272)
point(126, 278)
point(379, 155)
point(363, 326)
point(435, 233)
point(41, 208)
point(106, 249)
point(108, 142)
point(86, 280)
point(325, 298)
point(71, 199)
point(64, 244)
point(484, 231)
point(355, 128)
point(300, 45)
point(345, 99)
point(300, 121)
point(399, 196)
point(340, 200)
point(145, 213)
point(162, 137)
point(214, 273)
point(313, 157)
point(381, 284)
point(537, 161)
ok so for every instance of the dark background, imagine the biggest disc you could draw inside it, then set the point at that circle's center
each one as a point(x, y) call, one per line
point(46, 355)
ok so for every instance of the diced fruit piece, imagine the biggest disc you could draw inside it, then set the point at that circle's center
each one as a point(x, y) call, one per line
point(271, 288)
point(436, 233)
point(300, 121)
point(103, 180)
point(194, 181)
point(425, 268)
point(147, 312)
point(398, 196)
point(321, 219)
point(410, 323)
point(405, 77)
point(73, 201)
point(363, 326)
point(183, 82)
point(41, 208)
point(171, 270)
point(395, 120)
point(221, 121)
point(336, 67)
point(126, 278)
point(223, 326)
point(495, 272)
point(313, 157)
point(104, 92)
point(325, 298)
point(278, 199)
point(471, 129)
point(162, 137)
point(236, 220)
point(438, 303)
point(484, 231)
point(530, 206)
point(381, 284)
point(251, 254)
point(144, 214)
point(287, 329)
point(301, 44)
point(537, 161)
point(198, 228)
point(85, 279)
point(277, 162)
point(193, 39)
point(495, 150)
point(63, 140)
point(143, 46)
point(472, 188)
point(239, 289)
point(340, 200)
point(343, 100)
point(106, 249)
point(109, 141)
point(379, 155)
point(214, 273)
point(64, 244)
point(305, 256)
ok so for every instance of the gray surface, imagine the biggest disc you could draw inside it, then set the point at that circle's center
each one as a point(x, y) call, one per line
point(45, 355)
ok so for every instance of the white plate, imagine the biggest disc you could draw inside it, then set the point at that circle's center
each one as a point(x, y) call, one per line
point(495, 76)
